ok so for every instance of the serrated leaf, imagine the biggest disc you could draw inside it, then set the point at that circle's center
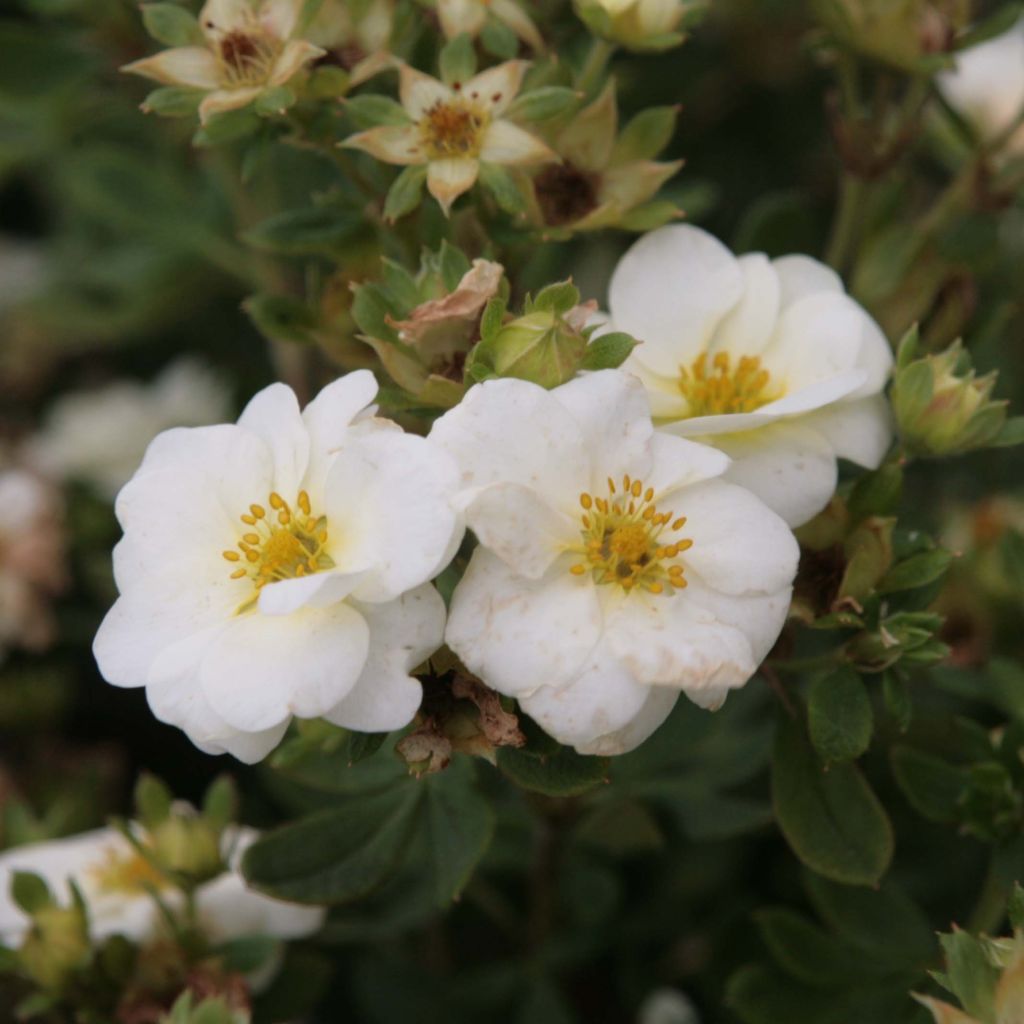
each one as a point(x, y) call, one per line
point(839, 715)
point(831, 819)
point(335, 856)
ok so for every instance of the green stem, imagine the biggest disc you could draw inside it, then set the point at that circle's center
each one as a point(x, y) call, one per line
point(990, 909)
point(849, 219)
point(594, 67)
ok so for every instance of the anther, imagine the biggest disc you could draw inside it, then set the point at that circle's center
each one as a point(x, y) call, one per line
point(232, 556)
point(304, 502)
point(586, 501)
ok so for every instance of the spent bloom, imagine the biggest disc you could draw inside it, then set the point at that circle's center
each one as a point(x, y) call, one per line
point(471, 17)
point(768, 360)
point(453, 129)
point(279, 566)
point(601, 178)
point(615, 568)
point(987, 88)
point(99, 436)
point(242, 49)
point(32, 564)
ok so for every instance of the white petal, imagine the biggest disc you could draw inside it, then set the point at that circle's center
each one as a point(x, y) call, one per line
point(419, 92)
point(602, 699)
point(859, 430)
point(498, 86)
point(389, 511)
point(679, 463)
point(393, 143)
point(403, 634)
point(800, 276)
point(656, 708)
point(220, 101)
point(613, 414)
point(458, 16)
point(749, 325)
point(663, 393)
point(264, 668)
point(279, 17)
point(789, 466)
point(224, 15)
point(670, 291)
point(739, 545)
point(297, 53)
point(448, 179)
point(875, 357)
point(229, 909)
point(517, 524)
point(273, 415)
point(193, 66)
point(667, 639)
point(516, 432)
point(320, 590)
point(506, 143)
point(519, 634)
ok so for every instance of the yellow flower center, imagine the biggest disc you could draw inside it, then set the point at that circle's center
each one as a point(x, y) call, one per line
point(281, 544)
point(719, 389)
point(622, 540)
point(453, 128)
point(127, 873)
point(246, 57)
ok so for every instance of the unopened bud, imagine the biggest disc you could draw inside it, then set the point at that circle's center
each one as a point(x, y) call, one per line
point(638, 24)
point(188, 846)
point(56, 946)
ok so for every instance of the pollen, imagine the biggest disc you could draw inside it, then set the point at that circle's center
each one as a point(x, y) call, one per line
point(285, 544)
point(626, 541)
point(721, 388)
point(128, 873)
point(453, 128)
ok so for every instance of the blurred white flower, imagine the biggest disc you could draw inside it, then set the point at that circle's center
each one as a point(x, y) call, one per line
point(358, 33)
point(768, 360)
point(32, 566)
point(248, 49)
point(100, 436)
point(986, 87)
point(614, 569)
point(667, 1006)
point(281, 567)
point(116, 880)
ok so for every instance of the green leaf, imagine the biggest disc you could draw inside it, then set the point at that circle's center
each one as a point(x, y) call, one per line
point(30, 892)
point(405, 193)
point(248, 953)
point(971, 975)
point(220, 801)
point(557, 298)
point(646, 135)
point(314, 230)
point(1015, 907)
point(608, 352)
point(173, 101)
point(372, 109)
point(839, 715)
point(338, 855)
point(362, 745)
point(172, 25)
point(231, 126)
point(802, 949)
point(876, 494)
point(1011, 433)
point(281, 318)
point(503, 185)
point(932, 786)
point(499, 40)
point(275, 101)
point(460, 825)
point(896, 694)
point(917, 571)
point(882, 922)
point(542, 104)
point(152, 800)
point(36, 61)
point(458, 60)
point(832, 819)
point(649, 216)
point(563, 773)
point(760, 995)
point(620, 828)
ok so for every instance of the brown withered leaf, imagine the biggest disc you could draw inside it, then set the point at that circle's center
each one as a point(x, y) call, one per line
point(500, 727)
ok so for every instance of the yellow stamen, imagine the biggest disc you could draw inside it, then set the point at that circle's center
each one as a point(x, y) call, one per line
point(725, 389)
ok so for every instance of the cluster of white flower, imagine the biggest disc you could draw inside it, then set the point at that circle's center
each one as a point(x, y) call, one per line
point(633, 525)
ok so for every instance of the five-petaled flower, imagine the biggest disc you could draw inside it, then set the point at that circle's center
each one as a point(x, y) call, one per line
point(281, 567)
point(453, 129)
point(768, 360)
point(615, 569)
point(248, 49)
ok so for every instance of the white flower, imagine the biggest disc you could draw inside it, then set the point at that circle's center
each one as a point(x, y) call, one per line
point(115, 881)
point(667, 1006)
point(99, 436)
point(470, 16)
point(454, 129)
point(358, 33)
point(249, 49)
point(768, 360)
point(987, 87)
point(32, 567)
point(614, 569)
point(280, 567)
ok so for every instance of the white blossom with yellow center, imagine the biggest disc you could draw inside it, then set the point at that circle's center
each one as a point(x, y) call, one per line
point(117, 882)
point(249, 49)
point(454, 128)
point(280, 566)
point(768, 360)
point(615, 569)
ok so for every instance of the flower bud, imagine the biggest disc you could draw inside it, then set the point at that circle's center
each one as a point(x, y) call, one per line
point(56, 946)
point(941, 407)
point(638, 24)
point(188, 846)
